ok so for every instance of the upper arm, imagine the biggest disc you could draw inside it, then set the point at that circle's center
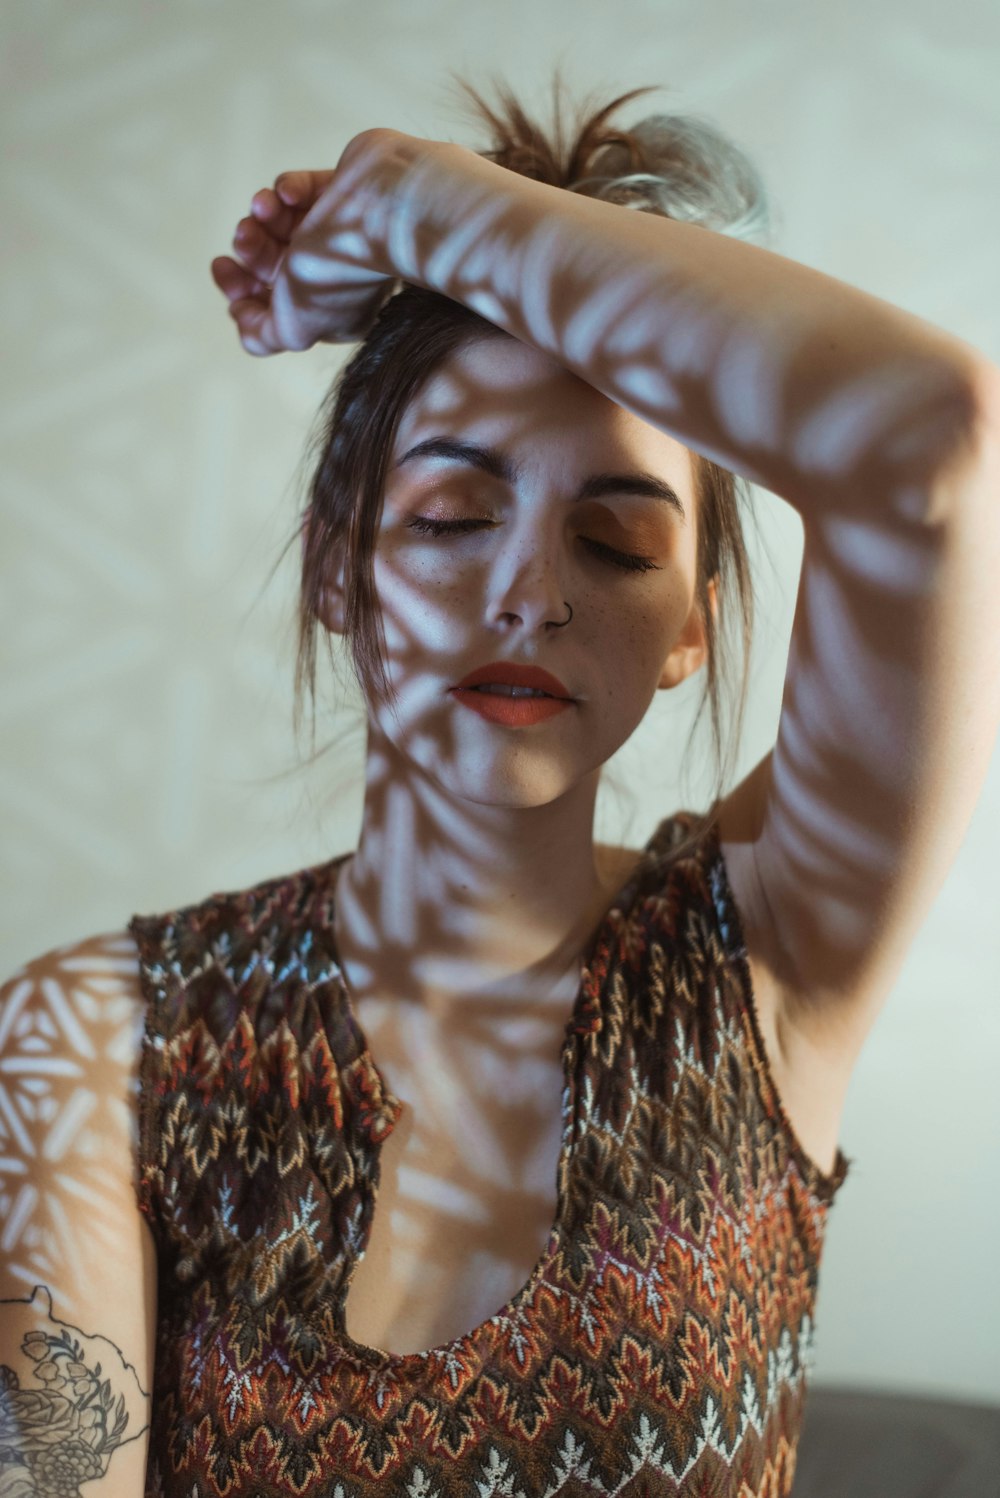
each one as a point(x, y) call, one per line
point(889, 716)
point(77, 1264)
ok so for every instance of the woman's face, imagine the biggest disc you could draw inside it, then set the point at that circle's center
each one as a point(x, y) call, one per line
point(565, 500)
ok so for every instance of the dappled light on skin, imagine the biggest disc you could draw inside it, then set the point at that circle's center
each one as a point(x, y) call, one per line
point(476, 887)
point(467, 1196)
point(453, 1166)
point(452, 603)
point(74, 1396)
point(70, 1029)
point(476, 883)
point(470, 1042)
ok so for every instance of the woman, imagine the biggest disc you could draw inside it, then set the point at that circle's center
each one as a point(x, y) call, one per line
point(523, 521)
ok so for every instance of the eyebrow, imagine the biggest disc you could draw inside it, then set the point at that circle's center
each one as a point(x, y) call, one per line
point(492, 461)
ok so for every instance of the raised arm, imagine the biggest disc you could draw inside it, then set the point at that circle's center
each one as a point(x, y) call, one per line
point(799, 382)
point(77, 1266)
point(880, 429)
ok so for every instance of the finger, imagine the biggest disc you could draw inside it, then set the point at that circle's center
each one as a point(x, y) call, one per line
point(282, 208)
point(235, 281)
point(299, 190)
point(258, 249)
point(254, 325)
point(277, 217)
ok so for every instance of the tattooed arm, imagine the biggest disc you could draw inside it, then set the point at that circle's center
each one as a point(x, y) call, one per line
point(77, 1266)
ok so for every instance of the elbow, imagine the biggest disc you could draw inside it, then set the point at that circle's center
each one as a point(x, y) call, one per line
point(951, 451)
point(984, 397)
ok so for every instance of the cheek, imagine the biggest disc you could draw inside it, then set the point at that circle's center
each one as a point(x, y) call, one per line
point(419, 611)
point(637, 632)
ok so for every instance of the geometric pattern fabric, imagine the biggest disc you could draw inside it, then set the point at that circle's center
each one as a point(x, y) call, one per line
point(663, 1339)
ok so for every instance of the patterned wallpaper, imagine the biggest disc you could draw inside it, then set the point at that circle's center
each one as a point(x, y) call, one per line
point(150, 474)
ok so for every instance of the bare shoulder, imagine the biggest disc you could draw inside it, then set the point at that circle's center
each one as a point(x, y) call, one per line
point(110, 955)
point(74, 1018)
point(615, 864)
point(71, 1030)
point(79, 1010)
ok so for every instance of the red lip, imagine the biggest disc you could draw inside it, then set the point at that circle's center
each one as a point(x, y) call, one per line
point(512, 674)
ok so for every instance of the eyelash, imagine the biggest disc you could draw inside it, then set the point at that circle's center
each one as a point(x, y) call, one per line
point(626, 560)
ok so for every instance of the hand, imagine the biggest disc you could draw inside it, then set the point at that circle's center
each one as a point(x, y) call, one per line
point(260, 244)
point(308, 265)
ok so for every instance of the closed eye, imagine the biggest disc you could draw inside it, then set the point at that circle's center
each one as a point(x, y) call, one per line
point(628, 561)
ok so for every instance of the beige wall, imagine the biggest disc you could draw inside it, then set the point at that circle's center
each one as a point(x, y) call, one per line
point(149, 482)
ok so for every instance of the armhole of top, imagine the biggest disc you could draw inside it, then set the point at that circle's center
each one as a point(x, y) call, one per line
point(824, 1185)
point(143, 933)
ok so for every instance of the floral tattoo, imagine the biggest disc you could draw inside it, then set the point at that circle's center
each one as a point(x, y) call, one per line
point(63, 1431)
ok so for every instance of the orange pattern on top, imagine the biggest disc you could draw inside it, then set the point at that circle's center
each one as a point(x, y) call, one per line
point(663, 1340)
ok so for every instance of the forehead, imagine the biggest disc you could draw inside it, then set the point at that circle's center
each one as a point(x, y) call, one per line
point(505, 392)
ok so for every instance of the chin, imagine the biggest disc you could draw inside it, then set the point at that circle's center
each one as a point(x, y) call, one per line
point(519, 774)
point(517, 781)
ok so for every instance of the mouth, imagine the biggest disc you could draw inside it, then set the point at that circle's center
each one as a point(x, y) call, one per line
point(499, 689)
point(512, 679)
point(512, 708)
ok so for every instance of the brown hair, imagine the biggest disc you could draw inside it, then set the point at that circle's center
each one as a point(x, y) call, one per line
point(675, 166)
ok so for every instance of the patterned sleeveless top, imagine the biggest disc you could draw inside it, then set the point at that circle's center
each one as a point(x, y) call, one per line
point(662, 1342)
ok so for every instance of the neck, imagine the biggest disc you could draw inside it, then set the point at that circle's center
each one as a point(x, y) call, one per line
point(446, 899)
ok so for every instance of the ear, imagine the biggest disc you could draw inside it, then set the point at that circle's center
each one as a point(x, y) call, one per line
point(690, 652)
point(332, 606)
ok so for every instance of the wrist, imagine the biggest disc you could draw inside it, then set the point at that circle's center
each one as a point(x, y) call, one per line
point(393, 188)
point(442, 205)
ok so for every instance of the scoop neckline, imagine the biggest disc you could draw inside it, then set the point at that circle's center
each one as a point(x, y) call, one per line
point(459, 1348)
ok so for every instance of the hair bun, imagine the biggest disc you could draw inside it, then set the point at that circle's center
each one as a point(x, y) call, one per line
point(678, 166)
point(682, 167)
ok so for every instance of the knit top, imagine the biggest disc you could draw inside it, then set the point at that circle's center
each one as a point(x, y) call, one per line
point(662, 1342)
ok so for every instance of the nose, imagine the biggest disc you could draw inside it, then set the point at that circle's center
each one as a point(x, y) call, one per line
point(528, 585)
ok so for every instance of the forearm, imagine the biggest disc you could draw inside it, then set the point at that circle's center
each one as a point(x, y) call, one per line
point(800, 382)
